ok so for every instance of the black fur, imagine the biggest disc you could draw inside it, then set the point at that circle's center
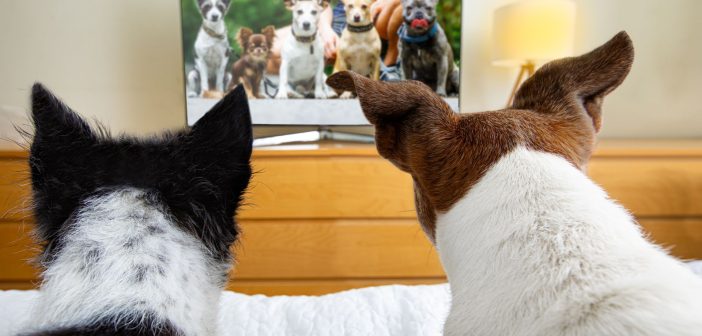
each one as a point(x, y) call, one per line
point(199, 174)
point(144, 326)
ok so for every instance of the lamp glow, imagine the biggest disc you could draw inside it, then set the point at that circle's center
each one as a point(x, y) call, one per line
point(531, 31)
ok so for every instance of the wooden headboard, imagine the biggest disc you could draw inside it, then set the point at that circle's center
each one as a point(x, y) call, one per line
point(325, 218)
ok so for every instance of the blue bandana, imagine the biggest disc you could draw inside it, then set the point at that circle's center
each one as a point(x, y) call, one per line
point(402, 33)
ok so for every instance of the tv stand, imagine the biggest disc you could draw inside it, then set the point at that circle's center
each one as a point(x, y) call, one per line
point(321, 134)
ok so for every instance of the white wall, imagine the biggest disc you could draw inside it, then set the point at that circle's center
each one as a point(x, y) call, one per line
point(116, 61)
point(659, 99)
point(120, 62)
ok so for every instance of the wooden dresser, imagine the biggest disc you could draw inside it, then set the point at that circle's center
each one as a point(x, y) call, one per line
point(323, 218)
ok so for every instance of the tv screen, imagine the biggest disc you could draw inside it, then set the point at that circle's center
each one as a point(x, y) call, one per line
point(281, 51)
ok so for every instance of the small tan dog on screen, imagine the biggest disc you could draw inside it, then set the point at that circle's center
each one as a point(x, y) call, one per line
point(359, 46)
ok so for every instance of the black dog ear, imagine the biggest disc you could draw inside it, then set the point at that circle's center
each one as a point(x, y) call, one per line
point(224, 132)
point(62, 141)
point(579, 84)
point(55, 123)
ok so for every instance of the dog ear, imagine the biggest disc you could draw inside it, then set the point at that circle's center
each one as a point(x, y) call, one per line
point(397, 110)
point(323, 3)
point(242, 37)
point(56, 125)
point(289, 4)
point(62, 141)
point(269, 33)
point(224, 132)
point(386, 100)
point(579, 84)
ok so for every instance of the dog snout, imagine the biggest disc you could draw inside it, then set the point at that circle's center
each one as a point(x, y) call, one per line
point(419, 15)
point(306, 25)
point(357, 18)
point(215, 17)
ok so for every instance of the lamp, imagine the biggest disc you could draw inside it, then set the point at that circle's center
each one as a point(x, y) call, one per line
point(531, 31)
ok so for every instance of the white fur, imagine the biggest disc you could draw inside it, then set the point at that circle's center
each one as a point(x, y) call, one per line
point(182, 284)
point(298, 64)
point(536, 248)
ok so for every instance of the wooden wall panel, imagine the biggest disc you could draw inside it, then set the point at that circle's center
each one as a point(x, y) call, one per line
point(340, 187)
point(335, 249)
point(652, 187)
point(14, 189)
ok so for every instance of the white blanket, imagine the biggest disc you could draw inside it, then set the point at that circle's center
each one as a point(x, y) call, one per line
point(384, 310)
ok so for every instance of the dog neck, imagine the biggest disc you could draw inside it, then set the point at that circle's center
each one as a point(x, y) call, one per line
point(531, 214)
point(406, 37)
point(303, 39)
point(123, 259)
point(217, 30)
point(359, 29)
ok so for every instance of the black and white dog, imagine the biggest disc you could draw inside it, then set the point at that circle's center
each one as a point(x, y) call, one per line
point(136, 232)
point(212, 50)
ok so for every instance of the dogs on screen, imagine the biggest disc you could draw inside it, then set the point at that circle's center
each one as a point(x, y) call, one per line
point(301, 71)
point(425, 53)
point(136, 232)
point(530, 245)
point(358, 49)
point(209, 77)
point(250, 68)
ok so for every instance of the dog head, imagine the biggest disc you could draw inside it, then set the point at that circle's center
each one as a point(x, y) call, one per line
point(197, 176)
point(558, 110)
point(419, 15)
point(306, 15)
point(358, 12)
point(213, 10)
point(256, 45)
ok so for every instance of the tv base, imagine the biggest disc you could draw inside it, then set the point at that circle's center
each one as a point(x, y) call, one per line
point(321, 134)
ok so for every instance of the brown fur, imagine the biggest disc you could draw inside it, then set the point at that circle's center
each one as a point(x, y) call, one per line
point(249, 69)
point(558, 110)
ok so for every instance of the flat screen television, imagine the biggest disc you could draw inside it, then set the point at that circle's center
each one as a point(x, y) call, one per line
point(228, 42)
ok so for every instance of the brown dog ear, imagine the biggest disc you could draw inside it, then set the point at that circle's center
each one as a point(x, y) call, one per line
point(387, 100)
point(289, 4)
point(323, 3)
point(242, 37)
point(578, 84)
point(269, 33)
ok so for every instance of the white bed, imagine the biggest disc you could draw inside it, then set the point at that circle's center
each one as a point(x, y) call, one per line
point(383, 310)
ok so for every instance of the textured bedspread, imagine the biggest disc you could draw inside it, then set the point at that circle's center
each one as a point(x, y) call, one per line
point(384, 310)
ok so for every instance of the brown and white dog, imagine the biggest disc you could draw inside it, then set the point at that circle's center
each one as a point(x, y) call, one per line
point(249, 69)
point(359, 46)
point(530, 245)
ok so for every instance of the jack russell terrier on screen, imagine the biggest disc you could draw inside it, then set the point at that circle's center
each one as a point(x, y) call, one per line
point(209, 78)
point(301, 72)
point(530, 245)
point(136, 233)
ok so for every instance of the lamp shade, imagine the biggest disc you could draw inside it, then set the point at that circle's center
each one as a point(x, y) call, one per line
point(533, 31)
